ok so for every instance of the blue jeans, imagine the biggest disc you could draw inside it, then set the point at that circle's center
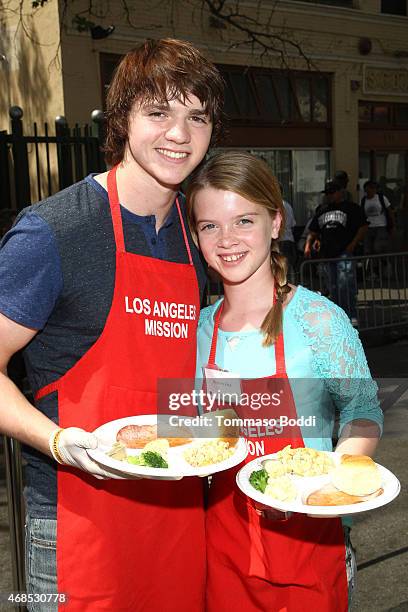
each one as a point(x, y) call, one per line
point(41, 561)
point(342, 283)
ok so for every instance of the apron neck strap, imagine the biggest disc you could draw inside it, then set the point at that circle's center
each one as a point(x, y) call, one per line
point(213, 350)
point(115, 210)
point(279, 344)
point(183, 227)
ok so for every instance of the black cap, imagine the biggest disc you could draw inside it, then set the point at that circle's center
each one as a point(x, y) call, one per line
point(341, 175)
point(332, 187)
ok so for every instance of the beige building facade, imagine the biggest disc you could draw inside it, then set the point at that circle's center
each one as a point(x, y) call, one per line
point(346, 107)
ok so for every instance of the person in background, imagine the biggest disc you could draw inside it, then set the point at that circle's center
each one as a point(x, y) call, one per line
point(300, 245)
point(287, 243)
point(73, 272)
point(341, 177)
point(273, 336)
point(377, 208)
point(340, 226)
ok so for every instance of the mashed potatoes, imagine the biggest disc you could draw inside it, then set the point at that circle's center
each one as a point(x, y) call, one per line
point(281, 488)
point(206, 453)
point(305, 461)
point(274, 468)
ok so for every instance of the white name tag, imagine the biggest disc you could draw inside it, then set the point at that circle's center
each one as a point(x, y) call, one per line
point(225, 385)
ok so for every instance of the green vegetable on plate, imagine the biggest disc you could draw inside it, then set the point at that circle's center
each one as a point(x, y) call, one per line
point(149, 459)
point(259, 480)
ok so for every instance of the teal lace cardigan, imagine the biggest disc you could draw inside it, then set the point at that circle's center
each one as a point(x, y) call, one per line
point(324, 357)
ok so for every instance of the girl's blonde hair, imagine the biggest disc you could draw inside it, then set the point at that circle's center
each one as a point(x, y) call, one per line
point(251, 178)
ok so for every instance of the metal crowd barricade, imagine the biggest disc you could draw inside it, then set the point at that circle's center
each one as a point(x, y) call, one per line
point(380, 283)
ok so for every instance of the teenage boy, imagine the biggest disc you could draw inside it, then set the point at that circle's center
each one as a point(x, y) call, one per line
point(71, 269)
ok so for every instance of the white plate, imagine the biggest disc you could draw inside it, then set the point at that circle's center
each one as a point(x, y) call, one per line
point(178, 466)
point(306, 485)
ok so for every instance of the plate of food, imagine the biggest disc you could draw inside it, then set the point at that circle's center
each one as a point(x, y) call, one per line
point(138, 446)
point(318, 483)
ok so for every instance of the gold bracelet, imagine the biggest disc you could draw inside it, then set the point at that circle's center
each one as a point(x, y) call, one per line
point(54, 446)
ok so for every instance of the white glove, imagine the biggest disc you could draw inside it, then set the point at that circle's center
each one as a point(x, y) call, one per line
point(68, 447)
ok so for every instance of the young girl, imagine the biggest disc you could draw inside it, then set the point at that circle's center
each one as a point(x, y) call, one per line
point(269, 332)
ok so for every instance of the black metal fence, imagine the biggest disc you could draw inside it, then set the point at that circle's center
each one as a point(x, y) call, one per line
point(36, 166)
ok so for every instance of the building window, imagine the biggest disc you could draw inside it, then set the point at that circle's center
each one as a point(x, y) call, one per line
point(364, 113)
point(108, 63)
point(383, 114)
point(401, 114)
point(264, 96)
point(320, 99)
point(394, 7)
point(265, 84)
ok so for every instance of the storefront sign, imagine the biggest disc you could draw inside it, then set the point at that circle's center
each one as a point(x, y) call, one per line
point(385, 81)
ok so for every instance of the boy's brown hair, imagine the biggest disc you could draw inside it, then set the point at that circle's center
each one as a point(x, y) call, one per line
point(158, 71)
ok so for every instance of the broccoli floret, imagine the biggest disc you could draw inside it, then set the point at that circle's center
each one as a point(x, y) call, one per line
point(149, 459)
point(154, 460)
point(259, 480)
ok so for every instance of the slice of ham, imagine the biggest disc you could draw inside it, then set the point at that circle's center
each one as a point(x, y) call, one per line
point(137, 436)
point(330, 496)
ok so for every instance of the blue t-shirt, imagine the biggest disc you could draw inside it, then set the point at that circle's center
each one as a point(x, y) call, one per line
point(31, 277)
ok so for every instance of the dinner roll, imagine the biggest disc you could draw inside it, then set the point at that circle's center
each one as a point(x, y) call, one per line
point(356, 475)
point(225, 426)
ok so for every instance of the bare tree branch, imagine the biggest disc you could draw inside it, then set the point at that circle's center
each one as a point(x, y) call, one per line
point(257, 33)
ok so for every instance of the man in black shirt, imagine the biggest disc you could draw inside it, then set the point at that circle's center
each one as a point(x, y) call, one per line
point(339, 226)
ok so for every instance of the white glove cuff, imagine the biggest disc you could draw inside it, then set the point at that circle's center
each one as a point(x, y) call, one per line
point(53, 444)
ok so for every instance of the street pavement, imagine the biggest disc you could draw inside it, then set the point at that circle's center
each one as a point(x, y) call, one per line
point(380, 536)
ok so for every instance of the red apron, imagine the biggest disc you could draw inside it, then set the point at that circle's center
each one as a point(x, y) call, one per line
point(255, 563)
point(131, 545)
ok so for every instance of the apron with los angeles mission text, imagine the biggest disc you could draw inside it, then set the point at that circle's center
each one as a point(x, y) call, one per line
point(134, 545)
point(257, 563)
